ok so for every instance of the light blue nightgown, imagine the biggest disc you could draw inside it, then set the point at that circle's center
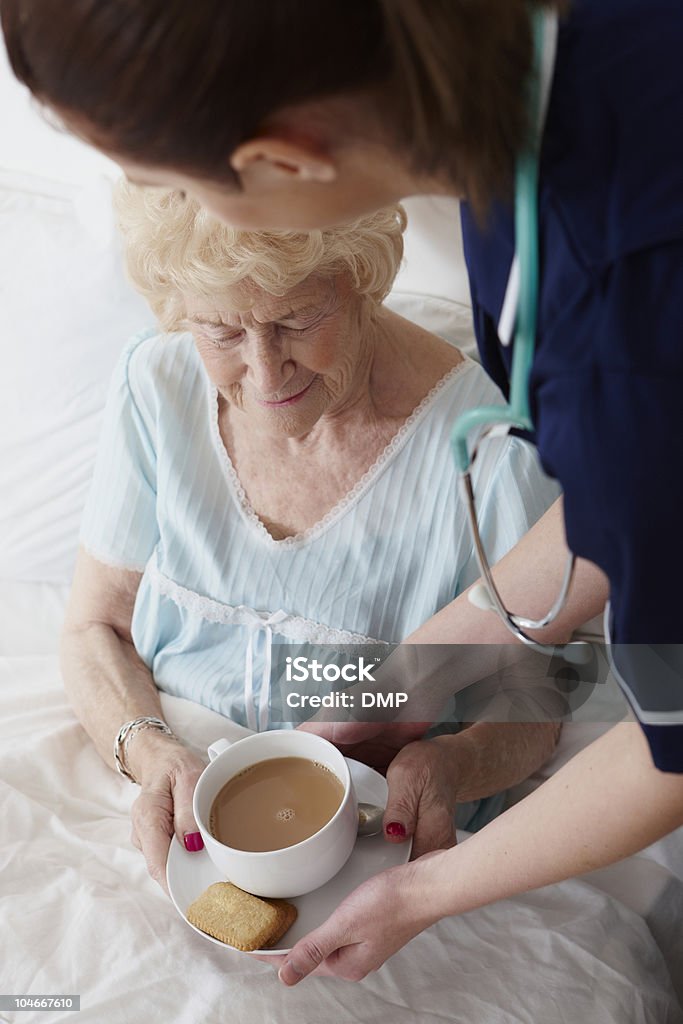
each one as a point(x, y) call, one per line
point(217, 590)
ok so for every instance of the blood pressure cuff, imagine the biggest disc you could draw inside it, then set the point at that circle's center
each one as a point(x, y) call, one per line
point(651, 677)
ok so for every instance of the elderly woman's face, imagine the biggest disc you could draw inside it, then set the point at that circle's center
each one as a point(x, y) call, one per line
point(284, 361)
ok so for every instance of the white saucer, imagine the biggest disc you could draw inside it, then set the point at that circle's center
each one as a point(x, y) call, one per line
point(189, 874)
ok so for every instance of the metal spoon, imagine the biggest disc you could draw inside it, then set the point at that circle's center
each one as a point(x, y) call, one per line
point(369, 819)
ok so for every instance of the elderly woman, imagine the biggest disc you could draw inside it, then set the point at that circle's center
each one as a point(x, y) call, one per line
point(277, 467)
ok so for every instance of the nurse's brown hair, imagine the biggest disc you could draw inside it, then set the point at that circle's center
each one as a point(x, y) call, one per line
point(181, 83)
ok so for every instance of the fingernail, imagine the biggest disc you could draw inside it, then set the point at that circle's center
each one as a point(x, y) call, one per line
point(395, 828)
point(287, 970)
point(193, 841)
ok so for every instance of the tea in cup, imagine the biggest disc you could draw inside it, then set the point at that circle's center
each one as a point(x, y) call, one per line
point(277, 812)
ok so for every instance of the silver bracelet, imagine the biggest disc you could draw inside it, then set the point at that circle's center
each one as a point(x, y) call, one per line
point(124, 735)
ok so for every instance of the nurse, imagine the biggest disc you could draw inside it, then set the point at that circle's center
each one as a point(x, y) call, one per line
point(301, 114)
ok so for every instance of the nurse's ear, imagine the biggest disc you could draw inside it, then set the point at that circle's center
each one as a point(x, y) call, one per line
point(269, 161)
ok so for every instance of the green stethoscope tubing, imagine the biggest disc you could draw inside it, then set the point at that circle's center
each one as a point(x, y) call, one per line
point(516, 413)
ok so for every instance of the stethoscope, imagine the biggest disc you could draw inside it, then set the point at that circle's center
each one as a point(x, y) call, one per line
point(519, 314)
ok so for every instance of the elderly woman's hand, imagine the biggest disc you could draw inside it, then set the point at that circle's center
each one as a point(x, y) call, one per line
point(167, 772)
point(423, 783)
point(428, 779)
point(422, 776)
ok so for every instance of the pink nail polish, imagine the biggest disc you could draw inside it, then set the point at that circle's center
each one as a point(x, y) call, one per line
point(395, 828)
point(193, 841)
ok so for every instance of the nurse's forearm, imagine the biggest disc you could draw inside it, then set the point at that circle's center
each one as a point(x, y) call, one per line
point(463, 644)
point(605, 804)
point(528, 578)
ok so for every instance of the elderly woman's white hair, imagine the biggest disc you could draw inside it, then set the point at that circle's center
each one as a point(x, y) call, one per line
point(173, 246)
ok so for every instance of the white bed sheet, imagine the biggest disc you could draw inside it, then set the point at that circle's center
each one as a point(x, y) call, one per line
point(80, 915)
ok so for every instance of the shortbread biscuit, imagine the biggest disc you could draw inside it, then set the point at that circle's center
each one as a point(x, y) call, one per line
point(239, 919)
point(291, 914)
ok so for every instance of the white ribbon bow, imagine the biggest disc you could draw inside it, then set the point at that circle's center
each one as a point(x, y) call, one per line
point(259, 622)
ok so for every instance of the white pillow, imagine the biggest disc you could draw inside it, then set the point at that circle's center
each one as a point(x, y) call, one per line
point(443, 317)
point(432, 286)
point(65, 312)
point(434, 261)
point(31, 617)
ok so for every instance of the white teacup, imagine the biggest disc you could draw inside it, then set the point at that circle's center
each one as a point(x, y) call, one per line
point(293, 870)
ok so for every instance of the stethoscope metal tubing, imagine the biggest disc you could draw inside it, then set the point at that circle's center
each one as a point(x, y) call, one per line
point(577, 650)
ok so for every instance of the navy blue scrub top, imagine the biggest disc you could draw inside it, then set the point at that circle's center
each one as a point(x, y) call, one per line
point(607, 379)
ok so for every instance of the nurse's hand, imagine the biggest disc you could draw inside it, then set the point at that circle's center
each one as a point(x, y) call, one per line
point(372, 924)
point(167, 772)
point(385, 912)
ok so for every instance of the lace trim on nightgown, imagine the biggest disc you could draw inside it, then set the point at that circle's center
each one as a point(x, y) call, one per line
point(111, 562)
point(292, 627)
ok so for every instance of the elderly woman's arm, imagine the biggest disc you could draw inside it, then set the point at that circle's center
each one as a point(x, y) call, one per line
point(108, 684)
